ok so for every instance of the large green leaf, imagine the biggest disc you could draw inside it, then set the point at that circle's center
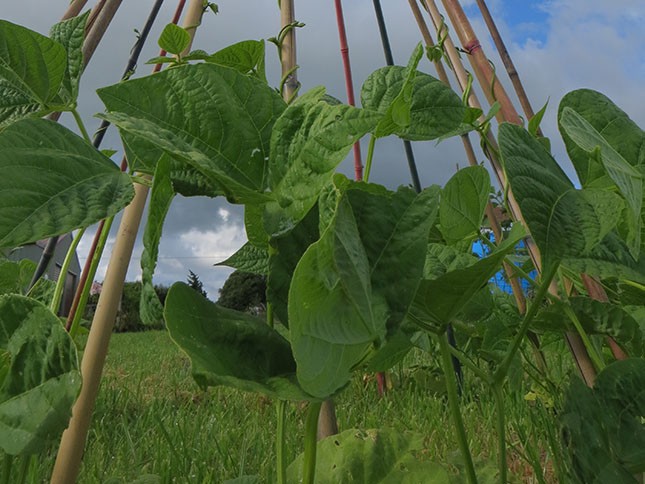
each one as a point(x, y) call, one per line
point(246, 57)
point(490, 320)
point(212, 118)
point(16, 276)
point(397, 114)
point(370, 457)
point(394, 229)
point(309, 141)
point(550, 204)
point(143, 157)
point(41, 378)
point(463, 202)
point(285, 253)
point(445, 258)
point(254, 225)
point(230, 348)
point(433, 108)
point(610, 258)
point(604, 425)
point(335, 319)
point(611, 122)
point(439, 300)
point(627, 178)
point(32, 68)
point(10, 280)
point(161, 197)
point(53, 182)
point(71, 34)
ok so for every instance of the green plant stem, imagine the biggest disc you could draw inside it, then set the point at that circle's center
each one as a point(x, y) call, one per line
point(519, 272)
point(501, 432)
point(502, 370)
point(142, 180)
point(62, 276)
point(7, 463)
point(270, 318)
point(81, 125)
point(453, 402)
point(96, 259)
point(270, 313)
point(634, 284)
point(469, 364)
point(368, 161)
point(311, 428)
point(24, 468)
point(281, 456)
point(593, 354)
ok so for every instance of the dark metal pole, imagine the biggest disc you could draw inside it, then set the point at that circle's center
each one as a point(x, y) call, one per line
point(389, 60)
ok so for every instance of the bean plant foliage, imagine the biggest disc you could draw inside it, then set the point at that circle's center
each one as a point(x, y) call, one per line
point(357, 274)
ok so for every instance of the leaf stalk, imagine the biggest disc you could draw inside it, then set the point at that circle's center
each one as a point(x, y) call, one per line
point(453, 403)
point(281, 457)
point(311, 428)
point(503, 368)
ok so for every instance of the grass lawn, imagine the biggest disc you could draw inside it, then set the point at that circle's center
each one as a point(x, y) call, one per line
point(153, 424)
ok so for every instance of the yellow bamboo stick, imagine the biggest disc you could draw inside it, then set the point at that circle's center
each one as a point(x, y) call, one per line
point(68, 460)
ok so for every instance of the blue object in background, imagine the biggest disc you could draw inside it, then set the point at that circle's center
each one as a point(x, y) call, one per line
point(499, 279)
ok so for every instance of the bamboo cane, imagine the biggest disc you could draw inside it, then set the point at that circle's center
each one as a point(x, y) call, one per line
point(70, 453)
point(98, 139)
point(349, 84)
point(493, 89)
point(594, 289)
point(483, 72)
point(472, 160)
point(491, 214)
point(94, 13)
point(288, 50)
point(73, 9)
point(507, 61)
point(99, 26)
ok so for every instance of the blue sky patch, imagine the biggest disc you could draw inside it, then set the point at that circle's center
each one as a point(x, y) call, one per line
point(527, 19)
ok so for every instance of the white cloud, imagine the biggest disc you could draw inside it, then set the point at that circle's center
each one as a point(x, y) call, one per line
point(215, 244)
point(224, 214)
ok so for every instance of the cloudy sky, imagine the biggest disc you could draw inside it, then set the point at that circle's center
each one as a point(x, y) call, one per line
point(557, 46)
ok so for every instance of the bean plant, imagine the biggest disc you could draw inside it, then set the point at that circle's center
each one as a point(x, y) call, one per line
point(358, 274)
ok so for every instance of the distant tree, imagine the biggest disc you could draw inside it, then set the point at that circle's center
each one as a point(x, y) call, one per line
point(243, 291)
point(127, 318)
point(195, 283)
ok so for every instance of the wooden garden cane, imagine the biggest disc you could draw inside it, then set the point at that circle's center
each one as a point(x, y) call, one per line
point(507, 61)
point(93, 258)
point(593, 287)
point(73, 9)
point(495, 92)
point(68, 460)
point(491, 214)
